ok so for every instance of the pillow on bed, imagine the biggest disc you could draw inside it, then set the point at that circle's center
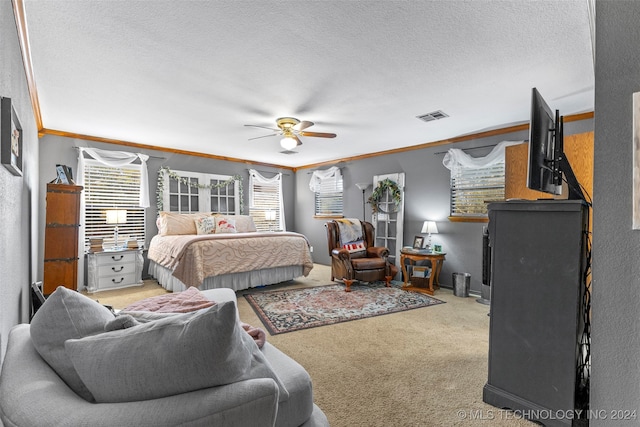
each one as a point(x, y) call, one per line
point(206, 225)
point(244, 223)
point(191, 351)
point(173, 223)
point(225, 225)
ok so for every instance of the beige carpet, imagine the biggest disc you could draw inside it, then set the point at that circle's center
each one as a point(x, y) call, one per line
point(422, 367)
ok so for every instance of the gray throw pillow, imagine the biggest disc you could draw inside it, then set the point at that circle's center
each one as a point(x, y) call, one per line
point(66, 314)
point(174, 355)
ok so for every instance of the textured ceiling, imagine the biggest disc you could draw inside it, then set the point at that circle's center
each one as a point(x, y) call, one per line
point(189, 74)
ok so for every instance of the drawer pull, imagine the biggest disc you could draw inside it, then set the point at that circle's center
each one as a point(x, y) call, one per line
point(117, 281)
point(114, 258)
point(118, 270)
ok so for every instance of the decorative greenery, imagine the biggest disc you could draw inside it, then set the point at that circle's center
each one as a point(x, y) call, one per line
point(186, 181)
point(376, 196)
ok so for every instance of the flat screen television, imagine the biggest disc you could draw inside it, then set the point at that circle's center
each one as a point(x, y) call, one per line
point(548, 164)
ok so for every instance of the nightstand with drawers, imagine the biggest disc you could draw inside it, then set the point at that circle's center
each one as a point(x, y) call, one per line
point(114, 269)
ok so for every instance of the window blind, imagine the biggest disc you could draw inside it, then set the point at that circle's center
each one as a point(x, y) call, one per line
point(266, 198)
point(328, 197)
point(472, 189)
point(107, 187)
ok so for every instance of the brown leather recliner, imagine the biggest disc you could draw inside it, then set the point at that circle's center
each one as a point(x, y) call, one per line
point(369, 265)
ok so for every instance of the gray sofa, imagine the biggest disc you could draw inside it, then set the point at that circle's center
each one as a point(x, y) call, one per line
point(33, 394)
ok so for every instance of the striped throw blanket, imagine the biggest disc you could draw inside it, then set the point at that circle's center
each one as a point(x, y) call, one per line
point(351, 237)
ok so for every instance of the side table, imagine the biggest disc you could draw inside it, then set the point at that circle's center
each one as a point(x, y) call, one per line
point(114, 269)
point(435, 258)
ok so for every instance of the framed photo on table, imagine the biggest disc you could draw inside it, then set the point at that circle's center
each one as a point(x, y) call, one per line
point(417, 242)
point(10, 137)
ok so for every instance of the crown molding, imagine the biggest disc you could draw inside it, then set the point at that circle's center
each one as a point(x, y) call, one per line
point(23, 39)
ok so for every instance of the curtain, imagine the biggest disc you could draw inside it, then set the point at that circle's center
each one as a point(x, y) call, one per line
point(456, 158)
point(118, 159)
point(319, 177)
point(256, 178)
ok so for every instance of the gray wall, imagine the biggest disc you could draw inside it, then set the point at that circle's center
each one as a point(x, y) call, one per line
point(18, 208)
point(60, 150)
point(426, 197)
point(615, 381)
point(426, 193)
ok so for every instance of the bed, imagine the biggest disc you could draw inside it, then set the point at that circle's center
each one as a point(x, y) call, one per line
point(223, 251)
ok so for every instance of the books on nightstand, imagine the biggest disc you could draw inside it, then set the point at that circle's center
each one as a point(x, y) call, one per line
point(95, 244)
point(421, 271)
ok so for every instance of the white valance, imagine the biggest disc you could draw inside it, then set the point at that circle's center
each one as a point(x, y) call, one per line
point(117, 159)
point(456, 158)
point(328, 176)
point(256, 178)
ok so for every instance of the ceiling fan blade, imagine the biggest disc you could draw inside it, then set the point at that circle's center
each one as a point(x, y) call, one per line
point(297, 139)
point(318, 134)
point(303, 125)
point(263, 127)
point(263, 136)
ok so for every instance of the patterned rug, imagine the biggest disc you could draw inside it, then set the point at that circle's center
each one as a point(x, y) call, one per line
point(290, 310)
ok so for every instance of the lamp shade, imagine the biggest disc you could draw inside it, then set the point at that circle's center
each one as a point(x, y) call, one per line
point(270, 215)
point(116, 216)
point(429, 227)
point(362, 185)
point(288, 143)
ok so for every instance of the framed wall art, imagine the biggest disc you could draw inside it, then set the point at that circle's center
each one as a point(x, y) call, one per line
point(10, 137)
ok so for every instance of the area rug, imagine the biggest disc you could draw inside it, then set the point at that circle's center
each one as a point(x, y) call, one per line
point(290, 310)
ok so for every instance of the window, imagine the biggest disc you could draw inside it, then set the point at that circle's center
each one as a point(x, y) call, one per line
point(108, 187)
point(473, 189)
point(265, 201)
point(475, 181)
point(188, 192)
point(327, 186)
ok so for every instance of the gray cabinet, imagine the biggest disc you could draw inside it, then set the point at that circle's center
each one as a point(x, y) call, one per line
point(537, 334)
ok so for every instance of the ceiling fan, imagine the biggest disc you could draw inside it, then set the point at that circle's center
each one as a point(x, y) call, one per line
point(291, 129)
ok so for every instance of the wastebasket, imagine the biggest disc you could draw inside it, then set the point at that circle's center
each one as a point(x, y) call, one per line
point(461, 284)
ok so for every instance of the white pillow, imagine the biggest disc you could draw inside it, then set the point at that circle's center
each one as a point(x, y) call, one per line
point(206, 225)
point(174, 355)
point(174, 223)
point(225, 225)
point(244, 223)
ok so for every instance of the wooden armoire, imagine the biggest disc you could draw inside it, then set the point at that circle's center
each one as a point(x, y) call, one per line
point(61, 237)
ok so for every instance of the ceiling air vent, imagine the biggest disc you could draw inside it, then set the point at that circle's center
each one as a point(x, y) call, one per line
point(288, 152)
point(434, 115)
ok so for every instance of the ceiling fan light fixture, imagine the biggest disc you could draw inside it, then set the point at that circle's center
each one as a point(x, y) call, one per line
point(288, 143)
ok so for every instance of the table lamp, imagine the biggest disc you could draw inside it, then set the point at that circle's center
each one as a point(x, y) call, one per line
point(116, 216)
point(430, 228)
point(270, 216)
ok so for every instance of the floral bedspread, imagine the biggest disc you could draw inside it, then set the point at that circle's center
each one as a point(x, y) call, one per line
point(196, 257)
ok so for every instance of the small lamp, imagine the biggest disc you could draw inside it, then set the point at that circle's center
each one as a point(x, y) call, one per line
point(270, 216)
point(363, 186)
point(116, 216)
point(430, 228)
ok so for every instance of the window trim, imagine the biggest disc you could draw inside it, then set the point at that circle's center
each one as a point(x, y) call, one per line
point(258, 213)
point(489, 176)
point(204, 192)
point(93, 227)
point(320, 184)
